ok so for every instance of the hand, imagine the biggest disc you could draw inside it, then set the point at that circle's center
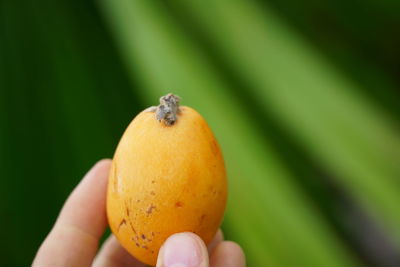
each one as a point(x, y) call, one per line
point(74, 239)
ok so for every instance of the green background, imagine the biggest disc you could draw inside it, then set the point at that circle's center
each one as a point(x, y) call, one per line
point(303, 97)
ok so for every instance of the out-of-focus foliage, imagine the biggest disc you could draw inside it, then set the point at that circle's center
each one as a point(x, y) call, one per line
point(302, 96)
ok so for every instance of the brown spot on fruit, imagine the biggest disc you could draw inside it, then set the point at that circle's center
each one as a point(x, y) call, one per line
point(179, 204)
point(131, 225)
point(143, 236)
point(152, 193)
point(137, 244)
point(214, 147)
point(123, 222)
point(150, 209)
point(145, 247)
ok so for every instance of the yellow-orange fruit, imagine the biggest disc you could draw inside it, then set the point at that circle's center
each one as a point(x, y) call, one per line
point(165, 179)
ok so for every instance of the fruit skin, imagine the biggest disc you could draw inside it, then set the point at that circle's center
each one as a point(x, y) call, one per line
point(164, 180)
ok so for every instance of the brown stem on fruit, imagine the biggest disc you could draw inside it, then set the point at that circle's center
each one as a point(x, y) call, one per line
point(168, 109)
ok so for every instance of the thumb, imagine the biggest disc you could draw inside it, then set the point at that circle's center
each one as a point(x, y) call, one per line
point(183, 250)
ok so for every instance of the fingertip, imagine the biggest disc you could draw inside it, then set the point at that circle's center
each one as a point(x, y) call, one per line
point(228, 253)
point(103, 162)
point(218, 238)
point(233, 247)
point(98, 174)
point(183, 249)
point(100, 166)
point(80, 224)
point(85, 207)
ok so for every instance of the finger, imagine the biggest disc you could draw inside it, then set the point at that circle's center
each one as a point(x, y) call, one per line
point(227, 254)
point(183, 249)
point(112, 254)
point(219, 236)
point(74, 238)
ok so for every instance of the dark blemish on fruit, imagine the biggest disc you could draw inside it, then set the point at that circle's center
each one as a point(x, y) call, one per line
point(150, 209)
point(152, 193)
point(127, 211)
point(152, 252)
point(152, 233)
point(133, 229)
point(153, 181)
point(202, 218)
point(137, 244)
point(179, 204)
point(143, 236)
point(214, 147)
point(138, 200)
point(145, 247)
point(123, 222)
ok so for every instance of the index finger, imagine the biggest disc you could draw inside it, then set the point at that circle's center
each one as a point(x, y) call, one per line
point(73, 241)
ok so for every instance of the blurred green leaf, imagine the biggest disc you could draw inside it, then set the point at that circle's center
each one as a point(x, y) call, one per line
point(61, 110)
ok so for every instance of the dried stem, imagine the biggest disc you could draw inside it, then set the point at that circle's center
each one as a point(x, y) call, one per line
point(168, 109)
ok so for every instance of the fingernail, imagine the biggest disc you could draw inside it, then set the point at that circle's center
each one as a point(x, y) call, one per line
point(182, 250)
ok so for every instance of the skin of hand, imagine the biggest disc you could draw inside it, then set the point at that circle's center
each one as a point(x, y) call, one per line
point(74, 239)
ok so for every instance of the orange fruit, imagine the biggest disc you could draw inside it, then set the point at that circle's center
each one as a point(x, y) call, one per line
point(167, 176)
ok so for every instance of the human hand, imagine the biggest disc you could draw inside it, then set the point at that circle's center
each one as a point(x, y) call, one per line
point(74, 239)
